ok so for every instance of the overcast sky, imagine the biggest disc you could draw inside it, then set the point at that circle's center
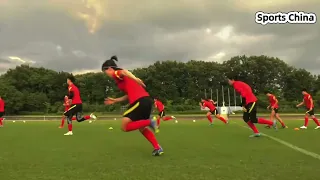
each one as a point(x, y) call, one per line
point(78, 35)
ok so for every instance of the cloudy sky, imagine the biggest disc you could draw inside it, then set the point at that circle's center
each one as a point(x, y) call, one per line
point(78, 35)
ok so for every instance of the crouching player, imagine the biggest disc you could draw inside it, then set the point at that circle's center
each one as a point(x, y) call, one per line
point(210, 104)
point(137, 117)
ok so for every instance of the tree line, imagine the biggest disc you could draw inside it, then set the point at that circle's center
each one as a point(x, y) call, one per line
point(180, 85)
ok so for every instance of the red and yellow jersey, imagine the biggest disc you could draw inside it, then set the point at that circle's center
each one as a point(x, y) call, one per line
point(307, 99)
point(129, 86)
point(159, 105)
point(273, 101)
point(245, 91)
point(76, 99)
point(209, 105)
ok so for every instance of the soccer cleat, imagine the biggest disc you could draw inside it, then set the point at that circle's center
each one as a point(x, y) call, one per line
point(1, 126)
point(318, 127)
point(153, 125)
point(173, 117)
point(267, 127)
point(157, 152)
point(92, 116)
point(68, 133)
point(275, 125)
point(60, 127)
point(285, 127)
point(157, 130)
point(255, 135)
point(303, 127)
point(211, 124)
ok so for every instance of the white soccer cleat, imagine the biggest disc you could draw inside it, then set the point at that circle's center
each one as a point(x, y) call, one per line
point(303, 127)
point(92, 116)
point(173, 117)
point(318, 127)
point(68, 133)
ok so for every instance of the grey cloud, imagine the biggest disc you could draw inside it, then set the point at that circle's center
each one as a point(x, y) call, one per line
point(141, 33)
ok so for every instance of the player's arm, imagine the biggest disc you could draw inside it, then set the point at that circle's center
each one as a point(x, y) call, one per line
point(131, 76)
point(311, 102)
point(300, 104)
point(201, 105)
point(70, 95)
point(276, 102)
point(119, 99)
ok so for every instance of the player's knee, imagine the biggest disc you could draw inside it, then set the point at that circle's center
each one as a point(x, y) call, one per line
point(208, 114)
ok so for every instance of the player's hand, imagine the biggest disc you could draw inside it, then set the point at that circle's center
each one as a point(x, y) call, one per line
point(268, 107)
point(244, 109)
point(109, 101)
point(141, 82)
point(297, 105)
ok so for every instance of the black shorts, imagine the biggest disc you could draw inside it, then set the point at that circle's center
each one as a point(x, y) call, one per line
point(276, 110)
point(251, 112)
point(214, 112)
point(1, 114)
point(139, 110)
point(311, 113)
point(162, 114)
point(73, 110)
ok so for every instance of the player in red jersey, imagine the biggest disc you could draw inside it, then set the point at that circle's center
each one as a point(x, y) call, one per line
point(76, 105)
point(274, 106)
point(308, 102)
point(137, 117)
point(2, 105)
point(210, 104)
point(66, 108)
point(162, 114)
point(249, 104)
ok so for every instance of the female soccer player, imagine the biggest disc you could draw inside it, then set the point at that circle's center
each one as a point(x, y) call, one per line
point(210, 104)
point(137, 117)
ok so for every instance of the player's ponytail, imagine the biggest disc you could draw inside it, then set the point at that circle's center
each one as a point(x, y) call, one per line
point(110, 63)
point(114, 58)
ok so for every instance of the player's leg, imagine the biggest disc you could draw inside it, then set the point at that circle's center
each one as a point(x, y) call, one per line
point(80, 117)
point(279, 119)
point(311, 113)
point(167, 118)
point(218, 116)
point(62, 121)
point(306, 121)
point(253, 116)
point(69, 114)
point(160, 115)
point(1, 119)
point(272, 114)
point(209, 117)
point(246, 119)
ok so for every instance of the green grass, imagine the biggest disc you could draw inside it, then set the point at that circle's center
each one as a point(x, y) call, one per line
point(193, 151)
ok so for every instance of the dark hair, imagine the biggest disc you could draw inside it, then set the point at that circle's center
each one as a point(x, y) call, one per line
point(71, 78)
point(232, 77)
point(155, 98)
point(266, 92)
point(304, 89)
point(110, 63)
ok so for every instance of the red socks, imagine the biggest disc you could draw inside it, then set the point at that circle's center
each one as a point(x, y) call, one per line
point(158, 121)
point(86, 117)
point(306, 121)
point(62, 122)
point(316, 121)
point(1, 121)
point(253, 127)
point(209, 118)
point(223, 119)
point(167, 118)
point(150, 137)
point(137, 125)
point(70, 127)
point(264, 121)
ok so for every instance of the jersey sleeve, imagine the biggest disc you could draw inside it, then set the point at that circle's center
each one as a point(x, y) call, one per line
point(70, 93)
point(118, 74)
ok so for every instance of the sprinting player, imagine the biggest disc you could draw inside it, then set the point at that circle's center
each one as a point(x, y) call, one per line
point(2, 105)
point(76, 105)
point(162, 114)
point(137, 117)
point(210, 104)
point(66, 108)
point(308, 102)
point(249, 105)
point(274, 106)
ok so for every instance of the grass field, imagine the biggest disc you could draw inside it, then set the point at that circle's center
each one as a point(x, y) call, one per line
point(193, 151)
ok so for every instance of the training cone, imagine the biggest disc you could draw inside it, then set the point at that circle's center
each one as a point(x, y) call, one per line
point(296, 129)
point(110, 128)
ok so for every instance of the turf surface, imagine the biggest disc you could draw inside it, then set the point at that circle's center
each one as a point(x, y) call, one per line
point(193, 151)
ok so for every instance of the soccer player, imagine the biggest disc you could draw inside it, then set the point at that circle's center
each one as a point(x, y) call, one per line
point(66, 108)
point(308, 102)
point(274, 106)
point(162, 115)
point(76, 105)
point(2, 105)
point(249, 104)
point(212, 110)
point(137, 117)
